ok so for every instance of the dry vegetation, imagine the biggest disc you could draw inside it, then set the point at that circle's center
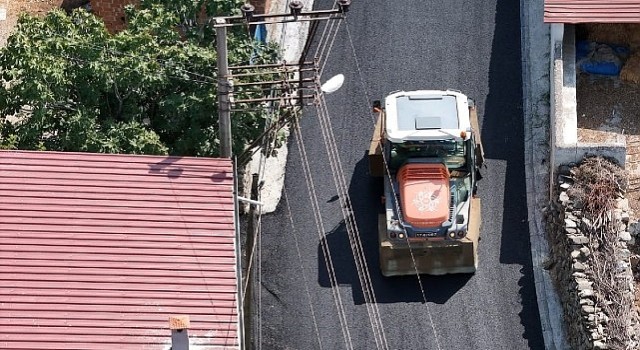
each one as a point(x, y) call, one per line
point(598, 183)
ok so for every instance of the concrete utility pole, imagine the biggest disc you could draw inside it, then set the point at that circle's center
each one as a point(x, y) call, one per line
point(224, 110)
point(248, 17)
point(285, 83)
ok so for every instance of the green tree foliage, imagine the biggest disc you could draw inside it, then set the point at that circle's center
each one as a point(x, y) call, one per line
point(73, 86)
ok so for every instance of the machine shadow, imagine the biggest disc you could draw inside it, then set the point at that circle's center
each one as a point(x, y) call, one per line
point(503, 135)
point(363, 191)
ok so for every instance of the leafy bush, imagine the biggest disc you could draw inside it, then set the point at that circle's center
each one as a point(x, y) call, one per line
point(151, 88)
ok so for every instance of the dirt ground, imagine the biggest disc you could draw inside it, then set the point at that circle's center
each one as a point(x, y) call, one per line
point(608, 107)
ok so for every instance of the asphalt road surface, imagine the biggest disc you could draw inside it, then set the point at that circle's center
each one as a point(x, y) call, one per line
point(472, 46)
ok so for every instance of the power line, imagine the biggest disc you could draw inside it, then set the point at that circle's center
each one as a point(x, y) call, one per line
point(320, 228)
point(356, 245)
point(287, 89)
point(322, 46)
point(304, 275)
point(323, 38)
point(267, 145)
point(261, 170)
point(134, 70)
point(388, 172)
point(323, 50)
point(351, 226)
point(333, 40)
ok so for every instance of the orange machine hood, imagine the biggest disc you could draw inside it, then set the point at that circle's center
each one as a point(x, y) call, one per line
point(424, 194)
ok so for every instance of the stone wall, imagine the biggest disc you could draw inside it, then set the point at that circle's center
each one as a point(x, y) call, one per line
point(571, 264)
point(12, 9)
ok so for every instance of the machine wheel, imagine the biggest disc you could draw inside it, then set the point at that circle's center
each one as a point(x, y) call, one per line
point(475, 262)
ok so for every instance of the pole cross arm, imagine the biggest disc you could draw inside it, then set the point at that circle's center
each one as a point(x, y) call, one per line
point(293, 76)
point(249, 17)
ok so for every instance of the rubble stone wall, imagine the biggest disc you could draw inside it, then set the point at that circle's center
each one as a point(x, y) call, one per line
point(586, 323)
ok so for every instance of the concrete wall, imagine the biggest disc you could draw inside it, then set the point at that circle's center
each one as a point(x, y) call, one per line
point(565, 147)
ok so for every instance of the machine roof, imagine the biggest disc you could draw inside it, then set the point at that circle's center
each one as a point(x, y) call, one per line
point(426, 114)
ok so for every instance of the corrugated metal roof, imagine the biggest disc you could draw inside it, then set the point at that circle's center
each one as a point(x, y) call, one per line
point(592, 11)
point(97, 251)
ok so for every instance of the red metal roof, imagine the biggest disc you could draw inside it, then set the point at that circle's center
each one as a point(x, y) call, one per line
point(592, 11)
point(97, 251)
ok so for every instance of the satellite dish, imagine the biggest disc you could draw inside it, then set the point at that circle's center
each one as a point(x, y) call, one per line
point(333, 84)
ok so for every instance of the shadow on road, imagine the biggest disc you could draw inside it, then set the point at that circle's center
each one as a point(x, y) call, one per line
point(363, 191)
point(503, 128)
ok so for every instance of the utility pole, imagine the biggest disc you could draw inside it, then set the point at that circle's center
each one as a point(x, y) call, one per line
point(276, 85)
point(224, 110)
point(283, 86)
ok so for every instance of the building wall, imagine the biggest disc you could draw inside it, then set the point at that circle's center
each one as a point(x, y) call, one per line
point(262, 6)
point(112, 12)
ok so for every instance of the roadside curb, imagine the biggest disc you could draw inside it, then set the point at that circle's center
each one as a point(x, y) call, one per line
point(535, 81)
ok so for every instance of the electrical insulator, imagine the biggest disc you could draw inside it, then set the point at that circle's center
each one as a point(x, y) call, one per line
point(247, 11)
point(296, 7)
point(343, 5)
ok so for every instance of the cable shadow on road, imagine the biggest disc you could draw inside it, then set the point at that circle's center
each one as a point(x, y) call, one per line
point(365, 193)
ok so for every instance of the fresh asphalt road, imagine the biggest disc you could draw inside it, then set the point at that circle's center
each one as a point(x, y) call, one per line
point(472, 46)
